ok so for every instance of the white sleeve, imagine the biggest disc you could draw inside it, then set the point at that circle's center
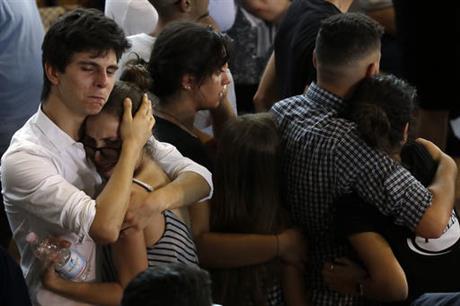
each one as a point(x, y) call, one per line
point(115, 9)
point(174, 163)
point(140, 17)
point(33, 183)
point(223, 12)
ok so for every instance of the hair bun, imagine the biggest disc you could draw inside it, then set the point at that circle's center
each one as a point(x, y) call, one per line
point(136, 72)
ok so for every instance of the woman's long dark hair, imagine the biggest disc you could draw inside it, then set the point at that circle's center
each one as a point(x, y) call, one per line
point(247, 200)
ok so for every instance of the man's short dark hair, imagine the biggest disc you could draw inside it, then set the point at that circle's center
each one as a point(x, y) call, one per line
point(173, 284)
point(345, 38)
point(165, 8)
point(78, 31)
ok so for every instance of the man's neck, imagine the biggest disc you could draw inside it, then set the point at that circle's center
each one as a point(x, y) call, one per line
point(336, 89)
point(163, 22)
point(67, 121)
point(342, 5)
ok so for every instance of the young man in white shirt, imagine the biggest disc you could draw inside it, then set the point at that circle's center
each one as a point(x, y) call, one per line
point(49, 187)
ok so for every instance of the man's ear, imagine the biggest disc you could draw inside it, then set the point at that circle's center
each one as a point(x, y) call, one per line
point(185, 6)
point(372, 69)
point(406, 133)
point(52, 74)
point(187, 81)
point(314, 59)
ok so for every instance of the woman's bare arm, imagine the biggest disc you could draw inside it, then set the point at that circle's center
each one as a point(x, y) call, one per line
point(382, 278)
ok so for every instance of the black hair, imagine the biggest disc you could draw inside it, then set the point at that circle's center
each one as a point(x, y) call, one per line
point(381, 107)
point(173, 284)
point(122, 90)
point(185, 47)
point(78, 31)
point(344, 38)
point(165, 8)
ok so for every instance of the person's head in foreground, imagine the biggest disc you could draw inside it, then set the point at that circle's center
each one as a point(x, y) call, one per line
point(101, 136)
point(169, 285)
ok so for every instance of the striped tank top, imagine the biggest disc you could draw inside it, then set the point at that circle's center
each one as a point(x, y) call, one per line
point(176, 244)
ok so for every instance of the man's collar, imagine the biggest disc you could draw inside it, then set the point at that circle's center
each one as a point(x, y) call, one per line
point(54, 133)
point(324, 98)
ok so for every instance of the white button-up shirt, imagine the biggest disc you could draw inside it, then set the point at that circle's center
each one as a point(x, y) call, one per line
point(49, 188)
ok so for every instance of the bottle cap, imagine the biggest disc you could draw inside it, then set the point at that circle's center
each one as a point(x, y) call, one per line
point(31, 237)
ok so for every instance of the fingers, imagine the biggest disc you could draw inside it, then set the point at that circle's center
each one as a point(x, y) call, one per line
point(422, 140)
point(48, 264)
point(146, 110)
point(60, 242)
point(146, 101)
point(146, 106)
point(64, 244)
point(127, 110)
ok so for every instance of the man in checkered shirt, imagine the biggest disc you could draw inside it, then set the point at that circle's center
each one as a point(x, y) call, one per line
point(324, 156)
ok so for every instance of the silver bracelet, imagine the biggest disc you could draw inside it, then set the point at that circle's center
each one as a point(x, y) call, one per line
point(143, 184)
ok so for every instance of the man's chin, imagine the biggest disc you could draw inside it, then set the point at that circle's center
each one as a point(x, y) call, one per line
point(94, 108)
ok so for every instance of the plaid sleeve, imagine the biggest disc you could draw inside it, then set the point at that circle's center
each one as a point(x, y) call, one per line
point(408, 196)
point(381, 181)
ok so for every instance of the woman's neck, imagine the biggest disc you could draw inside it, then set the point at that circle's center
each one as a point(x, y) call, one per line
point(180, 111)
point(395, 153)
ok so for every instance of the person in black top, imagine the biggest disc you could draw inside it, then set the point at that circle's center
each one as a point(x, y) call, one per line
point(187, 72)
point(392, 264)
point(290, 68)
point(295, 43)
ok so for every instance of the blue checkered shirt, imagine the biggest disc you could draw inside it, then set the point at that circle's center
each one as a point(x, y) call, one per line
point(324, 157)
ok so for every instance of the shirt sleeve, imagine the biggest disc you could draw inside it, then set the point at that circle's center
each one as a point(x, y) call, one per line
point(223, 12)
point(32, 182)
point(140, 17)
point(380, 181)
point(174, 163)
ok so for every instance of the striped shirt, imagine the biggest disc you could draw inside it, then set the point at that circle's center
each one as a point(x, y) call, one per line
point(324, 157)
point(176, 244)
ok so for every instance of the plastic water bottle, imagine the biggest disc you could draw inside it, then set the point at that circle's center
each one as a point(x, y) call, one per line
point(69, 263)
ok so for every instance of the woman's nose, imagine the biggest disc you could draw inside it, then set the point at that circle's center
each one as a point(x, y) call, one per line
point(226, 77)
